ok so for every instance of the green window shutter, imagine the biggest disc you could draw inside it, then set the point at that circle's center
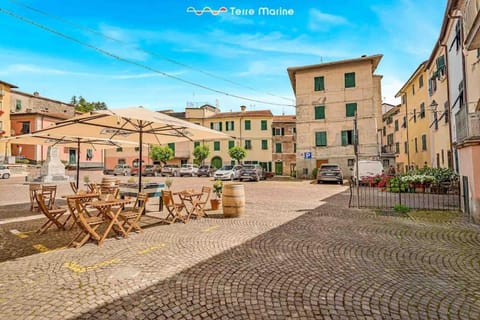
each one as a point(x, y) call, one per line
point(264, 144)
point(231, 144)
point(227, 126)
point(248, 144)
point(196, 144)
point(211, 125)
point(344, 138)
point(295, 147)
point(264, 125)
point(216, 145)
point(278, 148)
point(351, 108)
point(396, 125)
point(321, 139)
point(119, 149)
point(319, 83)
point(232, 125)
point(350, 80)
point(283, 132)
point(247, 124)
point(440, 62)
point(319, 112)
point(172, 146)
point(220, 126)
point(424, 142)
point(273, 132)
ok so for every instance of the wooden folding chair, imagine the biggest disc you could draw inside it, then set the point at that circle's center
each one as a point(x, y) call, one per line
point(49, 193)
point(33, 189)
point(88, 226)
point(131, 217)
point(73, 186)
point(200, 206)
point(109, 189)
point(53, 214)
point(174, 209)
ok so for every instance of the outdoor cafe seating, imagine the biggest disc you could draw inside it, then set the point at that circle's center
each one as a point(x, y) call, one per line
point(53, 214)
point(49, 193)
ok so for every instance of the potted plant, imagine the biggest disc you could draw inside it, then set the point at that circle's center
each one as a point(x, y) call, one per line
point(168, 183)
point(217, 190)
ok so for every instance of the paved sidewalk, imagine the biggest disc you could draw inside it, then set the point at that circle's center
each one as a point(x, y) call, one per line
point(276, 262)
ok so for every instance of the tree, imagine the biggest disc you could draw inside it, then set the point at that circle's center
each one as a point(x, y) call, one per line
point(237, 153)
point(201, 153)
point(83, 105)
point(162, 154)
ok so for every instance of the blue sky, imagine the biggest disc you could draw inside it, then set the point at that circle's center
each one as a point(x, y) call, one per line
point(247, 54)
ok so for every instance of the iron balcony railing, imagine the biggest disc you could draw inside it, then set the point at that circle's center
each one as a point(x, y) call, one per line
point(467, 125)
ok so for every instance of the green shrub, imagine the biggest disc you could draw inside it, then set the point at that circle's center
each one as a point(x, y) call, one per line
point(314, 173)
point(401, 208)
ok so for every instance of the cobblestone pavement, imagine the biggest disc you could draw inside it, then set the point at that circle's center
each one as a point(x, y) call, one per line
point(282, 260)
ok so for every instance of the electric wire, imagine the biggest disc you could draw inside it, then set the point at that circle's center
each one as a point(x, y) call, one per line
point(93, 31)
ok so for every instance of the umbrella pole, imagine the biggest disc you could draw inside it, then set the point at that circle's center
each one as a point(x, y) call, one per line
point(140, 160)
point(78, 163)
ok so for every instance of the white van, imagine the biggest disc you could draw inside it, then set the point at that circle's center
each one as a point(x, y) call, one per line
point(367, 168)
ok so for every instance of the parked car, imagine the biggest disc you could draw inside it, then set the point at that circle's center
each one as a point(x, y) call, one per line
point(329, 172)
point(4, 172)
point(122, 170)
point(253, 172)
point(170, 170)
point(188, 169)
point(147, 170)
point(107, 171)
point(206, 171)
point(228, 172)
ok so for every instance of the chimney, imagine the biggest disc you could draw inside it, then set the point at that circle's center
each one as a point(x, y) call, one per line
point(243, 108)
point(36, 94)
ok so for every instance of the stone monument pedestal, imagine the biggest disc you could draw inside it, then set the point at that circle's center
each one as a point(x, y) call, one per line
point(53, 169)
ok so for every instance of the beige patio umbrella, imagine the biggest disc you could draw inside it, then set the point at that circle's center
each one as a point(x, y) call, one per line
point(79, 142)
point(135, 124)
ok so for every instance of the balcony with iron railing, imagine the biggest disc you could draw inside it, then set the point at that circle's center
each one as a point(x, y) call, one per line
point(467, 126)
point(388, 149)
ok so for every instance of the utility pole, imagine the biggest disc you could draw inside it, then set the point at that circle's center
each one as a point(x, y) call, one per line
point(355, 150)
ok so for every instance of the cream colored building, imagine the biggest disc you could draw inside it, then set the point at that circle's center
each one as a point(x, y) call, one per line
point(391, 136)
point(5, 131)
point(328, 96)
point(438, 102)
point(414, 107)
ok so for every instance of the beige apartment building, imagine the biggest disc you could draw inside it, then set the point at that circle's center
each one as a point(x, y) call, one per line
point(5, 100)
point(438, 102)
point(284, 145)
point(417, 117)
point(390, 137)
point(328, 97)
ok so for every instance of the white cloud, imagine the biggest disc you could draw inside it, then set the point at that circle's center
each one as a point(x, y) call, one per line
point(320, 21)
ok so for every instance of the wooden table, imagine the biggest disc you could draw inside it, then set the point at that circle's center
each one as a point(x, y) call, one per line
point(83, 198)
point(153, 190)
point(190, 200)
point(110, 210)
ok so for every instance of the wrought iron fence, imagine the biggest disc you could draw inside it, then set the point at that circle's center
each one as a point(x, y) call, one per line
point(445, 196)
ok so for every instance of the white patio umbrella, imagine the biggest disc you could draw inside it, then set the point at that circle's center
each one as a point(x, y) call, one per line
point(67, 141)
point(135, 124)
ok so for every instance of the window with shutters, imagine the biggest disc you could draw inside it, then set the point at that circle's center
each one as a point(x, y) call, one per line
point(231, 144)
point(422, 110)
point(347, 137)
point(229, 125)
point(350, 80)
point(172, 146)
point(319, 112)
point(405, 147)
point(420, 82)
point(216, 145)
point(416, 144)
point(196, 144)
point(424, 142)
point(264, 144)
point(397, 147)
point(248, 144)
point(321, 139)
point(390, 139)
point(263, 125)
point(278, 148)
point(248, 125)
point(25, 127)
point(351, 109)
point(396, 125)
point(319, 83)
point(384, 131)
point(278, 131)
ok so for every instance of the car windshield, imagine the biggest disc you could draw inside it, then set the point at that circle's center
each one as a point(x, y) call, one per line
point(329, 168)
point(186, 165)
point(227, 168)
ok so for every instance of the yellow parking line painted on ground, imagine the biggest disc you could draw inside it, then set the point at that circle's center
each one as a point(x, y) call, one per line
point(56, 249)
point(211, 228)
point(73, 266)
point(152, 248)
point(41, 248)
point(19, 234)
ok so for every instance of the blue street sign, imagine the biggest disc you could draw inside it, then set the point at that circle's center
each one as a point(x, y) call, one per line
point(307, 155)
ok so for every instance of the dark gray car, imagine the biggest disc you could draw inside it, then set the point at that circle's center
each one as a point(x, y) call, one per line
point(330, 173)
point(253, 172)
point(206, 171)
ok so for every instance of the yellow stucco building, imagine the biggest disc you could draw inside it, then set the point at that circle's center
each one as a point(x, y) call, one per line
point(415, 109)
point(5, 97)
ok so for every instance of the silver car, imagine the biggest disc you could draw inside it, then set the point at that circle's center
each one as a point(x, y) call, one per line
point(122, 170)
point(188, 169)
point(228, 172)
point(4, 172)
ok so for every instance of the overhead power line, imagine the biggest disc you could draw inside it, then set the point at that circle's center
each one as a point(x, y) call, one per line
point(81, 27)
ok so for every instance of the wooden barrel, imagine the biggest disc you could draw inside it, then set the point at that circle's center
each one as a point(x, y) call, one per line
point(110, 181)
point(233, 200)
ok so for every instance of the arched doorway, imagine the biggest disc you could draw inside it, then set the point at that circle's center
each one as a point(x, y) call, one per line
point(217, 162)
